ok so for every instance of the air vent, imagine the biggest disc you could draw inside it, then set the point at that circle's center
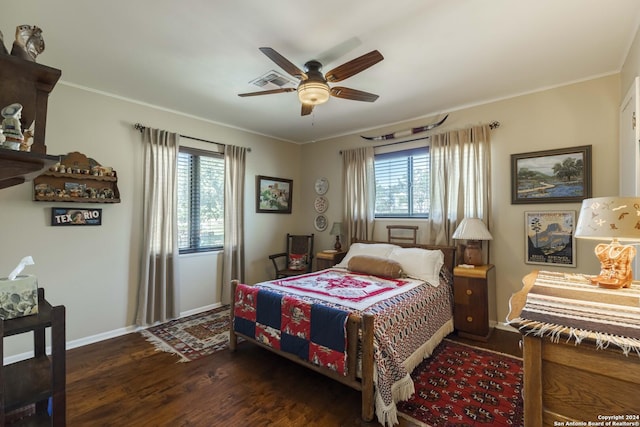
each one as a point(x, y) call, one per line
point(274, 80)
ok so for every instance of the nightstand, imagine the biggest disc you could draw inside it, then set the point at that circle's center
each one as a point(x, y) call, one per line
point(328, 259)
point(474, 301)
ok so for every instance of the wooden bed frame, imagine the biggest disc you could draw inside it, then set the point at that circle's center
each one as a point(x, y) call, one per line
point(356, 325)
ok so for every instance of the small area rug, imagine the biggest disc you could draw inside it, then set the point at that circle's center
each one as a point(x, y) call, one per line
point(461, 385)
point(192, 337)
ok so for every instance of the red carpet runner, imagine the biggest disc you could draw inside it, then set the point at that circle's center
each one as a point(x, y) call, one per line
point(461, 386)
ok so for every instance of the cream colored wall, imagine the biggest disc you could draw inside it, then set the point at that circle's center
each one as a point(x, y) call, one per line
point(631, 68)
point(579, 114)
point(93, 271)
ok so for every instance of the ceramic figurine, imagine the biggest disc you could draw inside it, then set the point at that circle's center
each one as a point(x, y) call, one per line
point(11, 126)
point(29, 42)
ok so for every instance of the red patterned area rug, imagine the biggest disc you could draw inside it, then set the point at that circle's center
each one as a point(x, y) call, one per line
point(461, 385)
point(192, 337)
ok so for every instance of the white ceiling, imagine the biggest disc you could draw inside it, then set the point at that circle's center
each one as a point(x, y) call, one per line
point(195, 56)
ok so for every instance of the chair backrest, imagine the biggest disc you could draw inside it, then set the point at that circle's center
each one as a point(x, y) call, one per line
point(402, 233)
point(300, 244)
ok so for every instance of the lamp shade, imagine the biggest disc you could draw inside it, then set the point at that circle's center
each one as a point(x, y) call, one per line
point(336, 229)
point(605, 218)
point(313, 92)
point(472, 229)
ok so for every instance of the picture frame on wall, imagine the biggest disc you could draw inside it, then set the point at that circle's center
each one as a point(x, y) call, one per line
point(273, 195)
point(552, 176)
point(75, 216)
point(549, 238)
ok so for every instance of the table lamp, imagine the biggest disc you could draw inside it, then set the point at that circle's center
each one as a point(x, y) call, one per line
point(336, 230)
point(473, 230)
point(616, 219)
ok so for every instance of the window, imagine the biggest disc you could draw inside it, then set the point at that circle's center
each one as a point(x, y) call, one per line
point(402, 184)
point(200, 201)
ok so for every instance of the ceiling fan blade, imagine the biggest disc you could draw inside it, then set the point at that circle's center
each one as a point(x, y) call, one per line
point(268, 92)
point(354, 66)
point(306, 109)
point(283, 63)
point(353, 94)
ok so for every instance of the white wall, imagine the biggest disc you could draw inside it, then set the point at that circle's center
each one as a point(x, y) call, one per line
point(579, 114)
point(93, 271)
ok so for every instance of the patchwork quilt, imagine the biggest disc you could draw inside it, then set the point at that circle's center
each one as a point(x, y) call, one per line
point(313, 332)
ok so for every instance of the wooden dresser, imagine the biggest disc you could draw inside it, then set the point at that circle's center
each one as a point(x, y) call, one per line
point(566, 383)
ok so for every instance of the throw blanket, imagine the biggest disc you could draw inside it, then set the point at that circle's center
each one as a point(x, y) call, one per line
point(568, 304)
point(353, 290)
point(311, 331)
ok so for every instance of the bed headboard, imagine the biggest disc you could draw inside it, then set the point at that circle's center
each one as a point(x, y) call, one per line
point(448, 251)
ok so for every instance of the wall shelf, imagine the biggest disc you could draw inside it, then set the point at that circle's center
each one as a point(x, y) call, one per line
point(29, 84)
point(75, 187)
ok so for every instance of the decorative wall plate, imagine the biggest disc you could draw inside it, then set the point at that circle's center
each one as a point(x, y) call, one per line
point(321, 204)
point(320, 223)
point(322, 185)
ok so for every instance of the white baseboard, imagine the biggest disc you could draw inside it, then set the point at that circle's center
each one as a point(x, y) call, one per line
point(104, 335)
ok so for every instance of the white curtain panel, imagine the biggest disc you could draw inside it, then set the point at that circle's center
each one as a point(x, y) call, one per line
point(460, 180)
point(233, 258)
point(158, 292)
point(359, 193)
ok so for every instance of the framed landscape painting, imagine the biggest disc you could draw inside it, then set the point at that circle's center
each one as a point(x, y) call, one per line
point(550, 238)
point(273, 195)
point(551, 176)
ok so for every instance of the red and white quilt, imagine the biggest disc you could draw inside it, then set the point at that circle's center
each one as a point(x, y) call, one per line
point(353, 290)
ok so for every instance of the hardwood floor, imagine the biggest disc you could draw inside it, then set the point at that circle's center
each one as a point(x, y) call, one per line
point(125, 382)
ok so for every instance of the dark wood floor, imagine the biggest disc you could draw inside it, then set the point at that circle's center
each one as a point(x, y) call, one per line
point(125, 382)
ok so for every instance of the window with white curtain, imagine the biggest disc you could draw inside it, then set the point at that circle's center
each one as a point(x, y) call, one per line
point(200, 200)
point(402, 184)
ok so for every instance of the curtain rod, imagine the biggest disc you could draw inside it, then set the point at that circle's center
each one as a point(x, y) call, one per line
point(141, 127)
point(493, 125)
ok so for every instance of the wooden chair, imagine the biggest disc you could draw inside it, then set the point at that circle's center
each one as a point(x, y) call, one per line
point(298, 258)
point(398, 233)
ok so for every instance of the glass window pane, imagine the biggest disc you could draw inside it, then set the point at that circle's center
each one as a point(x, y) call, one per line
point(200, 201)
point(402, 184)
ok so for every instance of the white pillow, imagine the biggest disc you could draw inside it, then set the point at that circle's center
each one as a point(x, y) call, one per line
point(421, 264)
point(381, 250)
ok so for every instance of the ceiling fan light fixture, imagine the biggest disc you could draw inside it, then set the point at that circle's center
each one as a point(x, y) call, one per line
point(313, 92)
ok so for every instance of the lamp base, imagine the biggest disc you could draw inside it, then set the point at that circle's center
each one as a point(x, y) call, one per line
point(337, 246)
point(473, 253)
point(615, 265)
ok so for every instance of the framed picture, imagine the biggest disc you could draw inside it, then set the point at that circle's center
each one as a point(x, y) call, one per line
point(552, 176)
point(75, 216)
point(273, 195)
point(550, 238)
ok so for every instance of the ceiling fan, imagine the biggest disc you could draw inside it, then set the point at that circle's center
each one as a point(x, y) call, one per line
point(314, 87)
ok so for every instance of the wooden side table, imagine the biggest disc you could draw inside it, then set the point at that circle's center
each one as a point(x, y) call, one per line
point(576, 383)
point(474, 302)
point(328, 259)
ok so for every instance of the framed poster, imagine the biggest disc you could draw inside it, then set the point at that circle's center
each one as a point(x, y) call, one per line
point(273, 195)
point(76, 216)
point(550, 238)
point(552, 176)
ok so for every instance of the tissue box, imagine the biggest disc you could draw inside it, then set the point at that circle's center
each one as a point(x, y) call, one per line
point(18, 297)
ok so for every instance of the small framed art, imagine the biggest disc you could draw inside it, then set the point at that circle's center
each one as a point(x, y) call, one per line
point(273, 195)
point(551, 176)
point(550, 238)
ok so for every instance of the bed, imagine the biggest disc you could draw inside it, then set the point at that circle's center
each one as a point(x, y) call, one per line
point(362, 322)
